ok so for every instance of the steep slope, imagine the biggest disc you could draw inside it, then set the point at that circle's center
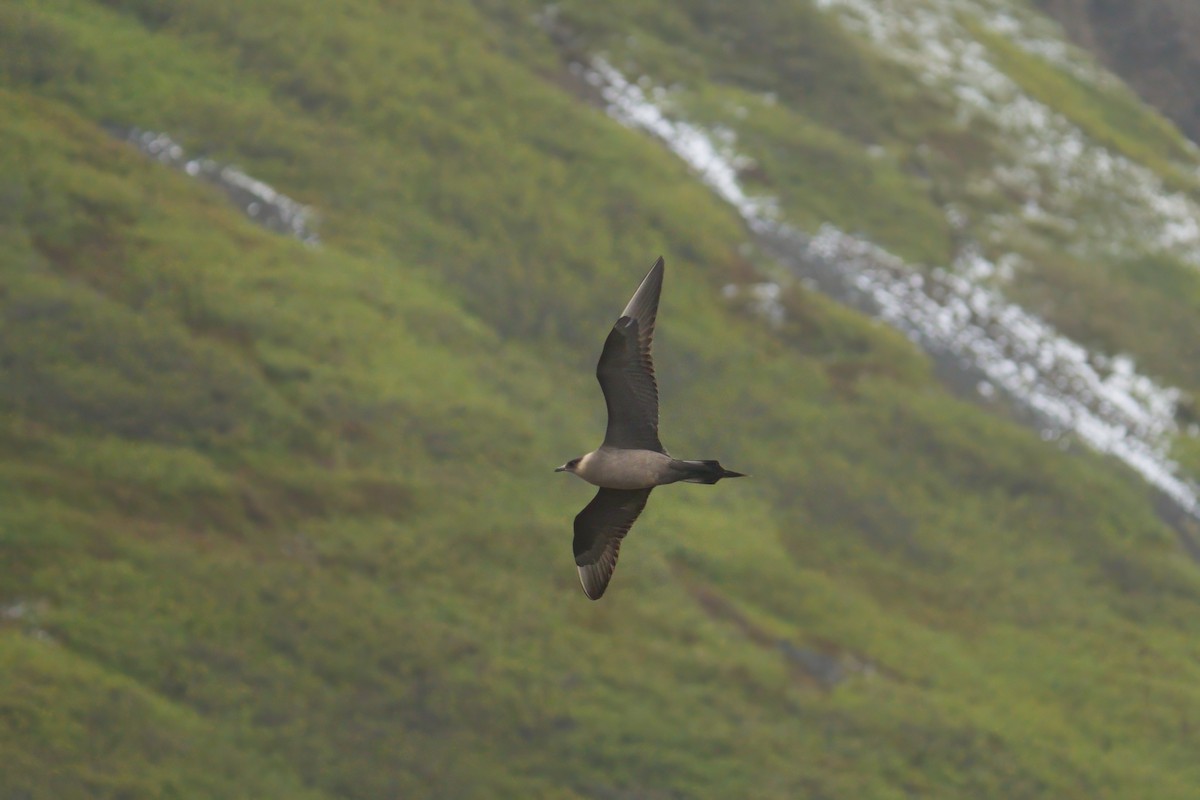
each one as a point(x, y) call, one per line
point(1008, 171)
point(254, 538)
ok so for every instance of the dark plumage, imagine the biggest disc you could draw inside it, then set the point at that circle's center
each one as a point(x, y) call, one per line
point(632, 460)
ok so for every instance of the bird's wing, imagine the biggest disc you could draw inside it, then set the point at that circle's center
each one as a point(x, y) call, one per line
point(599, 529)
point(626, 371)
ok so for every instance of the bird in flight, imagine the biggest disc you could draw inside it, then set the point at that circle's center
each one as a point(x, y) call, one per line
point(631, 461)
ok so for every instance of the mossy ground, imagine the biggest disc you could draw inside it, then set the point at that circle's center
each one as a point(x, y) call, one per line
point(278, 521)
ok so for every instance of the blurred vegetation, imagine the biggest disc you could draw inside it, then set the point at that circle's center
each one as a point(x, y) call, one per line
point(839, 133)
point(278, 521)
point(1111, 116)
point(1151, 45)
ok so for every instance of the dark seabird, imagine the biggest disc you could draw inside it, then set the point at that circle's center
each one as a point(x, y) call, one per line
point(631, 461)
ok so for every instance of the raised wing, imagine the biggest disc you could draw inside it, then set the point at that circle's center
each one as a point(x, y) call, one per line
point(599, 529)
point(626, 370)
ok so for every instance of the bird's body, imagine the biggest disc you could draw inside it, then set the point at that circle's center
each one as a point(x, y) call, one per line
point(632, 460)
point(615, 468)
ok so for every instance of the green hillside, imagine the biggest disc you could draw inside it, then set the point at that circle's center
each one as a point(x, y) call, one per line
point(279, 521)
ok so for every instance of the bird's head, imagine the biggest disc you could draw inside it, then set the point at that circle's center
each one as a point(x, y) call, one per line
point(570, 466)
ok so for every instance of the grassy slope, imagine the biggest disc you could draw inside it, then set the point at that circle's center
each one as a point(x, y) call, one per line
point(841, 134)
point(248, 489)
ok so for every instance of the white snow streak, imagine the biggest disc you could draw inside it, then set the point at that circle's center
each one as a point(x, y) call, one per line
point(1103, 401)
point(716, 164)
point(258, 200)
point(1109, 203)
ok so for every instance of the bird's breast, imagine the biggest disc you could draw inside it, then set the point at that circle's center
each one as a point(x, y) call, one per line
point(613, 468)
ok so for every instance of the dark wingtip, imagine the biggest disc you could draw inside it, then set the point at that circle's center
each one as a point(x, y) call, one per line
point(644, 303)
point(594, 580)
point(659, 268)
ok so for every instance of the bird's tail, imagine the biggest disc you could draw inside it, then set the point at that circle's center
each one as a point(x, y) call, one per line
point(703, 471)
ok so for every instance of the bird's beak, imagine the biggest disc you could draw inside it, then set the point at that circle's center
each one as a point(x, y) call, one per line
point(563, 468)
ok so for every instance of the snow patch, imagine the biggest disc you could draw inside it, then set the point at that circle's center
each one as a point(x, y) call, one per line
point(1110, 203)
point(258, 200)
point(1102, 401)
point(953, 313)
point(711, 156)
